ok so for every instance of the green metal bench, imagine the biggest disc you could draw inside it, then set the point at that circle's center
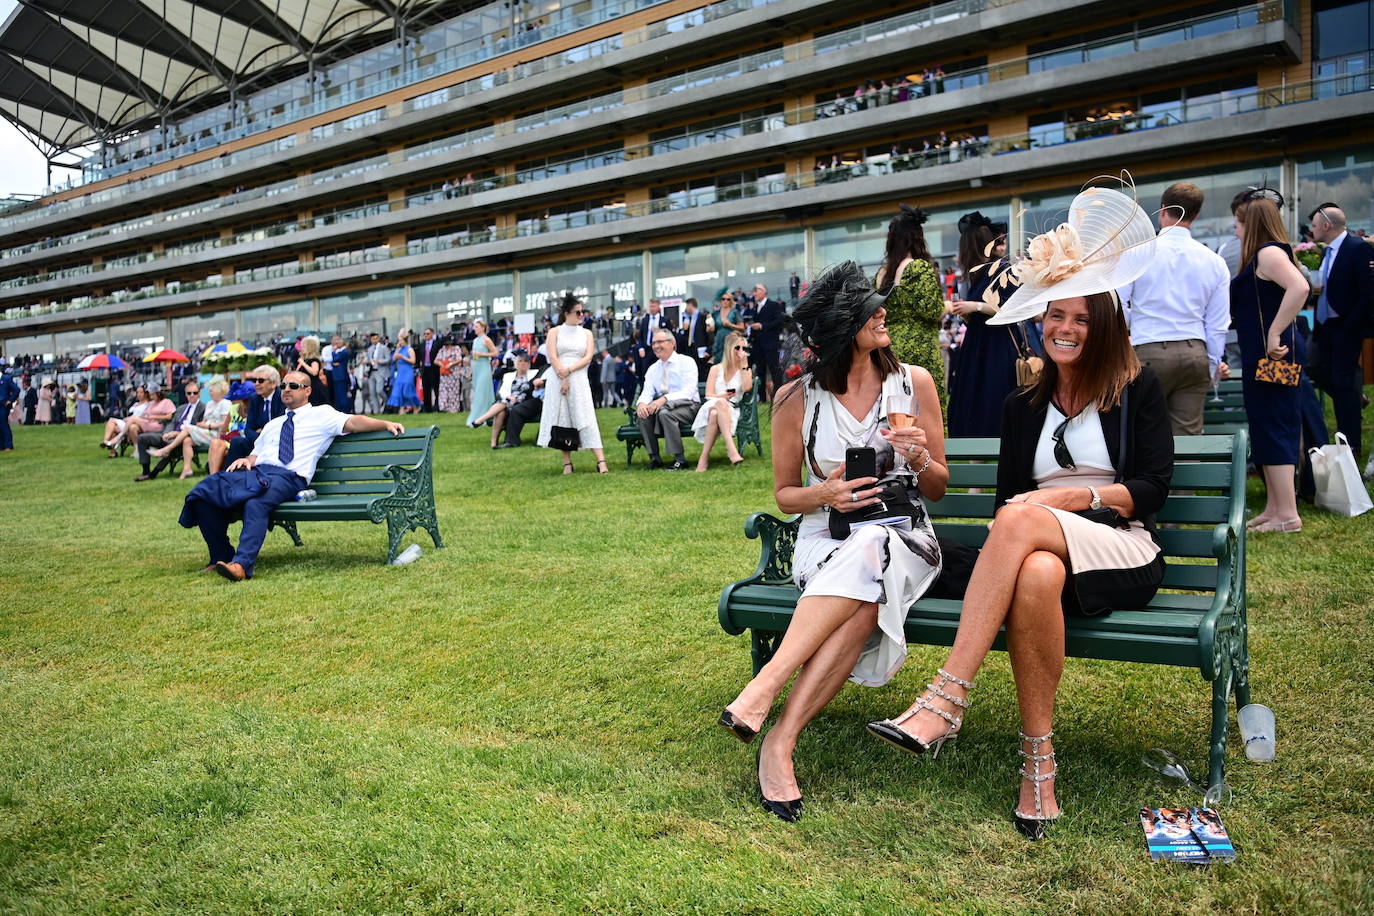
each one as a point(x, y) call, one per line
point(746, 431)
point(372, 477)
point(1197, 620)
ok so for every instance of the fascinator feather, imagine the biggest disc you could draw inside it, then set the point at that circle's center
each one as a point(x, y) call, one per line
point(1107, 242)
point(836, 305)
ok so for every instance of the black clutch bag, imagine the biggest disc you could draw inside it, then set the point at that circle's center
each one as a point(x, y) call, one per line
point(896, 503)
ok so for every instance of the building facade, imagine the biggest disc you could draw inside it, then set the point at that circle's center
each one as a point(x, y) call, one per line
point(490, 158)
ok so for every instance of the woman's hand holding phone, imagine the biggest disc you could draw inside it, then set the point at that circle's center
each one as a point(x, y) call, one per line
point(838, 493)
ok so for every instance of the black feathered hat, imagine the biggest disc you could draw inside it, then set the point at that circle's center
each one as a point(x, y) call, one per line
point(836, 305)
point(975, 220)
point(912, 214)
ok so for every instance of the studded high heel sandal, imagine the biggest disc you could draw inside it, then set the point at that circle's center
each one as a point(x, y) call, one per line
point(1037, 825)
point(889, 730)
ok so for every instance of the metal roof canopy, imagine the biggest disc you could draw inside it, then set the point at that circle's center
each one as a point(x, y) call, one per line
point(74, 73)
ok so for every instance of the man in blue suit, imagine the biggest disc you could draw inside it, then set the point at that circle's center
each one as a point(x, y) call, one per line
point(280, 465)
point(1345, 309)
point(9, 394)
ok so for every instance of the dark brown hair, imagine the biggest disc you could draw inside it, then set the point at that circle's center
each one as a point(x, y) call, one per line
point(1108, 362)
point(972, 244)
point(1185, 196)
point(905, 239)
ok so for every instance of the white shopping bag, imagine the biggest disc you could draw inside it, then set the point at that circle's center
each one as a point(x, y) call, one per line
point(1339, 487)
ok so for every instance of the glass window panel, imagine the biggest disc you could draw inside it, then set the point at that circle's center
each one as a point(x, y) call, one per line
point(1345, 177)
point(37, 345)
point(77, 344)
point(381, 310)
point(260, 326)
point(135, 341)
point(1342, 29)
point(435, 304)
point(704, 270)
point(192, 332)
point(602, 284)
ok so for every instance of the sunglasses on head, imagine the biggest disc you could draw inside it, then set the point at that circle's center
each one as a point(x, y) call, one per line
point(294, 386)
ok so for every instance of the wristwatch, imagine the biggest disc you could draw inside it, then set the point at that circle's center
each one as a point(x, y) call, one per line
point(1097, 498)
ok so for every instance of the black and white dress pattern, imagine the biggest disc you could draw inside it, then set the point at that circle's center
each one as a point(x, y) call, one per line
point(882, 564)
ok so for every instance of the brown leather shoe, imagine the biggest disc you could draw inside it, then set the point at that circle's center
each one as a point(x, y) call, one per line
point(234, 572)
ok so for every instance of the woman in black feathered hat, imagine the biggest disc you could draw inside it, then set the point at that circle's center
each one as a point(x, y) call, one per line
point(915, 301)
point(865, 548)
point(982, 371)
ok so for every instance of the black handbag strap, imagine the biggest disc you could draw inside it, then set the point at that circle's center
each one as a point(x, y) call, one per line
point(1125, 423)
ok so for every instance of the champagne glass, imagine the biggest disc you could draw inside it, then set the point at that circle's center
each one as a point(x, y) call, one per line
point(897, 408)
point(1167, 764)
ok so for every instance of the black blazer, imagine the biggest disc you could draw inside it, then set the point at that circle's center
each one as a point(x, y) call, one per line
point(261, 411)
point(1150, 441)
point(770, 315)
point(697, 335)
point(1350, 285)
point(644, 334)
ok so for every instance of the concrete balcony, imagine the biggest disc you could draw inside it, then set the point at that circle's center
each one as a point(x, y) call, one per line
point(1270, 126)
point(960, 36)
point(1262, 43)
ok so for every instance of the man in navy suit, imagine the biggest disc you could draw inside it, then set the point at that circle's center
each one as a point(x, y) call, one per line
point(1345, 306)
point(265, 405)
point(9, 394)
point(427, 363)
point(643, 350)
point(693, 339)
point(767, 329)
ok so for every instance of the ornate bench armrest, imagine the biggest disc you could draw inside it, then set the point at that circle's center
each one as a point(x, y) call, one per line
point(779, 536)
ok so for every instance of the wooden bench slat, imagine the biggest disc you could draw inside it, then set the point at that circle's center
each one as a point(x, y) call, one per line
point(375, 487)
point(1194, 509)
point(345, 446)
point(347, 475)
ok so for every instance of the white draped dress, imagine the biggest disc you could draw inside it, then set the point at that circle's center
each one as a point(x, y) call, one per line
point(883, 564)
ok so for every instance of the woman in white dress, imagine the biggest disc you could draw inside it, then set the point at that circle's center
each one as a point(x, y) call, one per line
point(858, 582)
point(214, 422)
point(568, 401)
point(115, 426)
point(725, 385)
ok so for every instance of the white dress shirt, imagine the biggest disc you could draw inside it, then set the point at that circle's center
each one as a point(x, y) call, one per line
point(1185, 295)
point(675, 378)
point(316, 428)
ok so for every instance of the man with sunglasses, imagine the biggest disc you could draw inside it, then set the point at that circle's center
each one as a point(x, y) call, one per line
point(280, 466)
point(265, 405)
point(1345, 303)
point(188, 414)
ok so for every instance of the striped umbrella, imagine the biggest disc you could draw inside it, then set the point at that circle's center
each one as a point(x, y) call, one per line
point(232, 346)
point(102, 361)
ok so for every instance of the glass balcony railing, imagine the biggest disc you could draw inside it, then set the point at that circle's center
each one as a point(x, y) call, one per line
point(951, 82)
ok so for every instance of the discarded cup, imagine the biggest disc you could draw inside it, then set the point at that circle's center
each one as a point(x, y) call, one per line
point(1167, 764)
point(409, 555)
point(1257, 731)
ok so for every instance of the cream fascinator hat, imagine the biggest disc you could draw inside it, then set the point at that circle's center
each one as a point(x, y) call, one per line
point(1107, 242)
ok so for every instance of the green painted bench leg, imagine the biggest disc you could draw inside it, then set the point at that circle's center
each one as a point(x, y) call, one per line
point(1240, 663)
point(764, 644)
point(1221, 704)
point(289, 528)
point(431, 524)
point(629, 453)
point(396, 527)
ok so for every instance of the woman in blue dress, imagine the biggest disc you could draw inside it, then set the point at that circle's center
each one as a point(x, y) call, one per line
point(982, 371)
point(1265, 299)
point(403, 395)
point(483, 396)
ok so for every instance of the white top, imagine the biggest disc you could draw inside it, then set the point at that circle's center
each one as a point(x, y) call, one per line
point(675, 377)
point(1185, 295)
point(1083, 436)
point(316, 428)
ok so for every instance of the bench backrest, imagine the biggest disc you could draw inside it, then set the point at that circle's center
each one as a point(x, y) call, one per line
point(357, 463)
point(1209, 469)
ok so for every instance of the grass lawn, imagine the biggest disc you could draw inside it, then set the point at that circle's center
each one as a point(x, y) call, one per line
point(524, 721)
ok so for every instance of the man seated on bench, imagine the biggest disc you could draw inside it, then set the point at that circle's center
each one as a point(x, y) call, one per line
point(522, 396)
point(266, 404)
point(668, 399)
point(281, 465)
point(148, 444)
point(1089, 443)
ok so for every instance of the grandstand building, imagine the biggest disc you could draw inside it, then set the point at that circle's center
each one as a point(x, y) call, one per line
point(247, 168)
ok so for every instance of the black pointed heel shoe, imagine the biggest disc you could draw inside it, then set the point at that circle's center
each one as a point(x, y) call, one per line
point(789, 811)
point(888, 729)
point(741, 731)
point(1036, 826)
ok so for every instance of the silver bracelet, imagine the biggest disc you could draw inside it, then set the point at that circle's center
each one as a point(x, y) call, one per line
point(923, 466)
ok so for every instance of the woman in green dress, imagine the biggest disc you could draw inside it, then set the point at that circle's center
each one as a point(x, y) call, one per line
point(914, 304)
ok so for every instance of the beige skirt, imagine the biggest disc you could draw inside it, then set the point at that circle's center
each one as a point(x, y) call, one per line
point(1109, 568)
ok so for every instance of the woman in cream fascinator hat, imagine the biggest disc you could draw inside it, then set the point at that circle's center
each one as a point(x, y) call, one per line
point(1088, 447)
